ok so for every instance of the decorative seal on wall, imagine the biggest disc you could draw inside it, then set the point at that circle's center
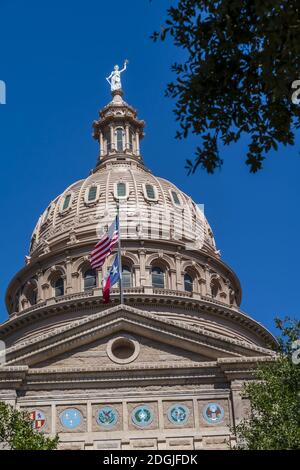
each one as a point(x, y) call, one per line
point(213, 413)
point(142, 416)
point(71, 418)
point(38, 419)
point(107, 416)
point(178, 414)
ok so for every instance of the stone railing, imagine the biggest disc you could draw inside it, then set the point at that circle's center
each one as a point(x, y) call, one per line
point(145, 290)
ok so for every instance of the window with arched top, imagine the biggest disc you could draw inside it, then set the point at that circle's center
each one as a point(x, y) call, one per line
point(89, 279)
point(30, 294)
point(158, 277)
point(59, 287)
point(120, 139)
point(126, 277)
point(92, 194)
point(150, 192)
point(66, 203)
point(175, 198)
point(131, 137)
point(107, 138)
point(121, 190)
point(188, 283)
point(215, 288)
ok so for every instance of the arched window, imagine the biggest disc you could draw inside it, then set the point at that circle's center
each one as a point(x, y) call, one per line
point(215, 287)
point(90, 279)
point(188, 283)
point(108, 141)
point(59, 287)
point(66, 203)
point(126, 277)
point(130, 140)
point(33, 297)
point(119, 136)
point(121, 190)
point(158, 278)
point(31, 293)
point(92, 195)
point(150, 191)
point(175, 198)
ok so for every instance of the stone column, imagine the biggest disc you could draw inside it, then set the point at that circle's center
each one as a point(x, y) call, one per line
point(127, 137)
point(136, 275)
point(45, 290)
point(40, 282)
point(178, 273)
point(101, 143)
point(236, 388)
point(143, 275)
point(172, 278)
point(112, 138)
point(69, 288)
point(137, 143)
point(76, 281)
point(207, 289)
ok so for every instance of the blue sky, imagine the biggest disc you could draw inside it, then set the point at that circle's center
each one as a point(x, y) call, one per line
point(54, 59)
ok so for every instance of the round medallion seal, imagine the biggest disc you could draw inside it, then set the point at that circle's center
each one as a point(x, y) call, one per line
point(71, 418)
point(107, 416)
point(178, 414)
point(142, 416)
point(213, 413)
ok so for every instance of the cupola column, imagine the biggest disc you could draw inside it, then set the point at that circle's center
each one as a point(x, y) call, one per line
point(112, 138)
point(127, 137)
point(137, 143)
point(101, 144)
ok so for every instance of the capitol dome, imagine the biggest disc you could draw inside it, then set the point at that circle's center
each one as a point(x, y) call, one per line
point(151, 207)
point(179, 339)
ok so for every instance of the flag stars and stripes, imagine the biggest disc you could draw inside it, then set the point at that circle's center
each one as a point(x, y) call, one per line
point(105, 246)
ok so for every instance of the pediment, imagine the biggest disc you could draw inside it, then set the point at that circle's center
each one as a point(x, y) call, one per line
point(123, 348)
point(83, 339)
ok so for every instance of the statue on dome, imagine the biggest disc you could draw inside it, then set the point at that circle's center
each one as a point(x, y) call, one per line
point(115, 77)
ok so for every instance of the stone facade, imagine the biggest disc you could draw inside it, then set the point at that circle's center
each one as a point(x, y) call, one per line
point(165, 369)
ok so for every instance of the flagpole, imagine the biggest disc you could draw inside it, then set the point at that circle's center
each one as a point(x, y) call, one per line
point(119, 255)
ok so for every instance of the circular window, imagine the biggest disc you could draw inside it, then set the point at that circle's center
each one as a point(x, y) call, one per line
point(71, 418)
point(213, 413)
point(178, 414)
point(107, 416)
point(142, 416)
point(123, 349)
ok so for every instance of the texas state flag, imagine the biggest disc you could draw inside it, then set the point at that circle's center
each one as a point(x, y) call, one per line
point(112, 278)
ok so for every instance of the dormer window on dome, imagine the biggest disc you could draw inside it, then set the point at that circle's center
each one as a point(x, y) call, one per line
point(66, 203)
point(150, 192)
point(121, 190)
point(175, 198)
point(92, 194)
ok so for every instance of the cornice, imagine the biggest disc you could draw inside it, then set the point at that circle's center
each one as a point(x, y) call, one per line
point(232, 370)
point(93, 300)
point(140, 322)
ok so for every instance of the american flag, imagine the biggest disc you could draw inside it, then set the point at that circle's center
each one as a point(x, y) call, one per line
point(105, 246)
